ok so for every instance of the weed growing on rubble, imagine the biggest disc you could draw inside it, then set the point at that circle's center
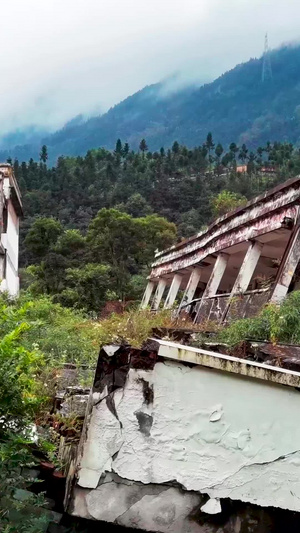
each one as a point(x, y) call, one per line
point(275, 323)
point(134, 326)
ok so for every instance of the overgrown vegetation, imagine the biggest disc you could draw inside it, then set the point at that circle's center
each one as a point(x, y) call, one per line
point(90, 237)
point(37, 338)
point(274, 323)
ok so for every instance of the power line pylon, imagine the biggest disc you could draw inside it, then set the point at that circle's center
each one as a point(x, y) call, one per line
point(267, 68)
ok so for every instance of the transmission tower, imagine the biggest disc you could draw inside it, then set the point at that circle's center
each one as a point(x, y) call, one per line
point(267, 68)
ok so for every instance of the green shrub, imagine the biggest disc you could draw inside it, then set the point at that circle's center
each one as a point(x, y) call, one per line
point(60, 334)
point(275, 323)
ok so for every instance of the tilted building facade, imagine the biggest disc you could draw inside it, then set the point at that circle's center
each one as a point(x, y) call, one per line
point(10, 213)
point(243, 260)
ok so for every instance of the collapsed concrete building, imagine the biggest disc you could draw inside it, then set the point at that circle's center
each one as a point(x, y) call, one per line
point(243, 260)
point(185, 438)
point(179, 439)
point(10, 213)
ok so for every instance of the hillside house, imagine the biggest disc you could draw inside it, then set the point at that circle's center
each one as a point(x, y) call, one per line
point(11, 211)
point(244, 259)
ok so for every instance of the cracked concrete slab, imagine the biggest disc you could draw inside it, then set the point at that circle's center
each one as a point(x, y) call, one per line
point(166, 512)
point(111, 500)
point(228, 437)
point(171, 436)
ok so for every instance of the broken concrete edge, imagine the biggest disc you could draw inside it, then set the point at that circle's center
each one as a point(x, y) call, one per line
point(227, 363)
point(76, 453)
point(125, 357)
point(95, 504)
point(168, 507)
point(115, 362)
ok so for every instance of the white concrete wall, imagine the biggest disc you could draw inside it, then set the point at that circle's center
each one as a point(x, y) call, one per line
point(10, 241)
point(221, 434)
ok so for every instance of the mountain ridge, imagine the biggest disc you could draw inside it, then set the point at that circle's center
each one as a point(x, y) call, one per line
point(236, 106)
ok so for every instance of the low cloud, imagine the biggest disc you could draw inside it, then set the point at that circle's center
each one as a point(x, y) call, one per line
point(62, 58)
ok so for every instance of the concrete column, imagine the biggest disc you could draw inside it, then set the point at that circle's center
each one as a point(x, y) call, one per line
point(287, 268)
point(216, 275)
point(248, 266)
point(175, 286)
point(190, 289)
point(159, 293)
point(147, 294)
point(246, 272)
point(214, 280)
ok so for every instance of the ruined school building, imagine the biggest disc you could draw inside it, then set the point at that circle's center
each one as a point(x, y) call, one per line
point(10, 213)
point(243, 260)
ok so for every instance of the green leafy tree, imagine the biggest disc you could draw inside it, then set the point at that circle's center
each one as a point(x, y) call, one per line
point(43, 233)
point(137, 206)
point(227, 201)
point(153, 233)
point(87, 287)
point(126, 243)
point(112, 240)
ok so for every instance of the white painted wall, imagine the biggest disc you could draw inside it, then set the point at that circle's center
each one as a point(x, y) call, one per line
point(10, 241)
point(11, 278)
point(13, 237)
point(218, 433)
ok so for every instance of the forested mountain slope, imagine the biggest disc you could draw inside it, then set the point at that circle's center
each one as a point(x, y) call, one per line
point(237, 106)
point(93, 223)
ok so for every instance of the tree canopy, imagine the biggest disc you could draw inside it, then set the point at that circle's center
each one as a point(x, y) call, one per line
point(92, 224)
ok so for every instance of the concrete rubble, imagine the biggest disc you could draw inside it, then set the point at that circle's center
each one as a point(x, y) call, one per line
point(173, 445)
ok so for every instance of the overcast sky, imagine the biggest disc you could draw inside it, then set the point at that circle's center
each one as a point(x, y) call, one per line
point(64, 57)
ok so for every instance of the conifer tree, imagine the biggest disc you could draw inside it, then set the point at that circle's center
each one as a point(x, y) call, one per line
point(143, 146)
point(118, 149)
point(44, 154)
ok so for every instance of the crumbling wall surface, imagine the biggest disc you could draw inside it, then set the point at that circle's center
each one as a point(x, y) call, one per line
point(172, 433)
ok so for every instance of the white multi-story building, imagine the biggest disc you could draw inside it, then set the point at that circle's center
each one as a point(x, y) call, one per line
point(10, 213)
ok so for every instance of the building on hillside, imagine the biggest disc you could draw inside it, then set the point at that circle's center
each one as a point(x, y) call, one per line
point(10, 213)
point(243, 260)
point(242, 169)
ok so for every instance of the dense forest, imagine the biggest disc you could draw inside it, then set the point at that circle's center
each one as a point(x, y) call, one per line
point(238, 106)
point(92, 224)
